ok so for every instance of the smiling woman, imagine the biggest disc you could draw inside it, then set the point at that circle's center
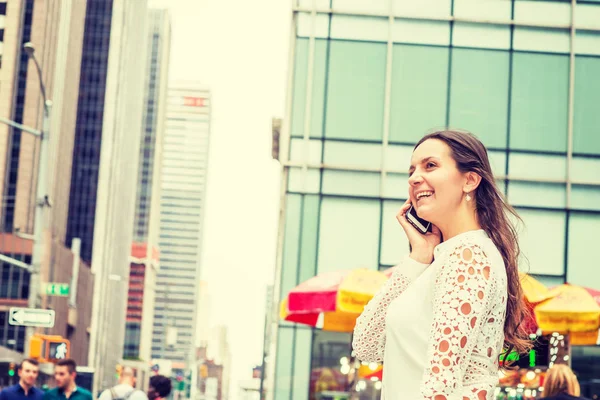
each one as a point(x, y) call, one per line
point(455, 302)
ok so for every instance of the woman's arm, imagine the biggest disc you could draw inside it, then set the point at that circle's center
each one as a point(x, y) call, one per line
point(369, 333)
point(462, 297)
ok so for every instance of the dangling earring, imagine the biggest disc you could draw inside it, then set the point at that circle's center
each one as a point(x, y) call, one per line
point(468, 197)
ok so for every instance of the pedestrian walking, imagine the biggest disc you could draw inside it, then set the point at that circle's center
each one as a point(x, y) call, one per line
point(453, 306)
point(28, 371)
point(159, 388)
point(65, 372)
point(125, 389)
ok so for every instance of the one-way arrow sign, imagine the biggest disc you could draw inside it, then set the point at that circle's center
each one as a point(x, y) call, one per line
point(31, 317)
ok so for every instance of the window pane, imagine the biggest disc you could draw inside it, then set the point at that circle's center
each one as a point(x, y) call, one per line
point(587, 42)
point(537, 166)
point(351, 183)
point(299, 93)
point(374, 6)
point(583, 233)
point(584, 197)
point(542, 241)
point(421, 32)
point(301, 181)
point(537, 194)
point(283, 372)
point(349, 234)
point(479, 35)
point(396, 186)
point(364, 155)
point(536, 39)
point(586, 169)
point(359, 28)
point(543, 12)
point(482, 9)
point(306, 152)
point(328, 349)
point(419, 91)
point(423, 8)
point(479, 94)
point(356, 90)
point(302, 361)
point(394, 244)
point(586, 123)
point(539, 102)
point(308, 247)
point(291, 243)
point(587, 16)
point(306, 29)
point(498, 162)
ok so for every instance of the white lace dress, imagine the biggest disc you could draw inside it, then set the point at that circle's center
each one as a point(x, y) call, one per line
point(439, 328)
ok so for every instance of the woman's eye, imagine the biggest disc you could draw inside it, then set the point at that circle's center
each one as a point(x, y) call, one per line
point(430, 164)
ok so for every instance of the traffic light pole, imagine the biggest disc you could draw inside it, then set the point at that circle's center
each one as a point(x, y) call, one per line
point(42, 203)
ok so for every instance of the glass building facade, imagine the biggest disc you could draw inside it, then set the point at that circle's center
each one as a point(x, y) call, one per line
point(369, 79)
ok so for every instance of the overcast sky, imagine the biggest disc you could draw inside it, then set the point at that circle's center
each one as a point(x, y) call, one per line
point(239, 49)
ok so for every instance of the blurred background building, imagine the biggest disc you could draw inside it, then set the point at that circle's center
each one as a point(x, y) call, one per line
point(182, 210)
point(145, 251)
point(368, 79)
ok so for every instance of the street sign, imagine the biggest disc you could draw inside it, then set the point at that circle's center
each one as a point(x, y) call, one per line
point(56, 289)
point(31, 317)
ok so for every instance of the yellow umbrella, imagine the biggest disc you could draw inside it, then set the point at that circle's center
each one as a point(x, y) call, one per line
point(573, 309)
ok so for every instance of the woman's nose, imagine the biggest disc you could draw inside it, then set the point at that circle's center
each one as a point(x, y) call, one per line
point(415, 179)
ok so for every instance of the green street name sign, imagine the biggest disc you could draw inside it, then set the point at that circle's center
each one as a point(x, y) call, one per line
point(56, 289)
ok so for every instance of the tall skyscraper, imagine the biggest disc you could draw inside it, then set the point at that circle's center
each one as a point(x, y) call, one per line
point(21, 100)
point(144, 261)
point(183, 192)
point(105, 163)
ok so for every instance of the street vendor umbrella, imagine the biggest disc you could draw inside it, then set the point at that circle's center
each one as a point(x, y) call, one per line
point(332, 301)
point(573, 309)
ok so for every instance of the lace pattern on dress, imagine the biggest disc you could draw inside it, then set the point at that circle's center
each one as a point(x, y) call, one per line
point(467, 329)
point(369, 333)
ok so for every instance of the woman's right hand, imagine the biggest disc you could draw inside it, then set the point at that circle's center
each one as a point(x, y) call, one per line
point(421, 245)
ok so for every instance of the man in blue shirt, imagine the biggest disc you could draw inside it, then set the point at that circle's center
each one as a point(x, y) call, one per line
point(28, 371)
point(64, 375)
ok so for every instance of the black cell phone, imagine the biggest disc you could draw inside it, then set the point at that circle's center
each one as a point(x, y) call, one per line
point(419, 223)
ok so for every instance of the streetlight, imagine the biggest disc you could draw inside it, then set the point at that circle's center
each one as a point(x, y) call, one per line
point(42, 201)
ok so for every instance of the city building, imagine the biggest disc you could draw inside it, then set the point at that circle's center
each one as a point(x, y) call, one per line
point(145, 252)
point(21, 100)
point(105, 164)
point(183, 192)
point(368, 79)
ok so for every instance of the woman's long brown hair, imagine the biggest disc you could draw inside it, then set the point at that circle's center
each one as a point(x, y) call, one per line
point(492, 214)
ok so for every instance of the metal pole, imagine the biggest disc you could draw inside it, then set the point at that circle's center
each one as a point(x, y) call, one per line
point(40, 221)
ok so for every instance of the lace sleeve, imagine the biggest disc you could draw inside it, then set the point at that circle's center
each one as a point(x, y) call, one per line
point(462, 297)
point(369, 333)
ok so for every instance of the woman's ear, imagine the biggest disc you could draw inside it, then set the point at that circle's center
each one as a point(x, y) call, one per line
point(472, 182)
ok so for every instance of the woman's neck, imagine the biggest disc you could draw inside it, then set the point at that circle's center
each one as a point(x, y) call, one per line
point(464, 220)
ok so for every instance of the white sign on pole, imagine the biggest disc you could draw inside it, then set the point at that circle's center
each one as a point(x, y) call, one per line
point(31, 317)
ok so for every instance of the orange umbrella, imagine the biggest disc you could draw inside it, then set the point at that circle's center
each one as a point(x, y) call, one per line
point(573, 309)
point(332, 301)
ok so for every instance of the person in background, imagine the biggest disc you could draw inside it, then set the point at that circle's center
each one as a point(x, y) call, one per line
point(125, 389)
point(64, 375)
point(160, 388)
point(28, 372)
point(561, 384)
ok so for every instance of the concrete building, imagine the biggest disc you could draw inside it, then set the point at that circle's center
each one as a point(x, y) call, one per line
point(183, 192)
point(105, 164)
point(56, 31)
point(145, 259)
point(368, 79)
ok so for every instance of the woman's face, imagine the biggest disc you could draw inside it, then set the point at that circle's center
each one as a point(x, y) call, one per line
point(435, 183)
